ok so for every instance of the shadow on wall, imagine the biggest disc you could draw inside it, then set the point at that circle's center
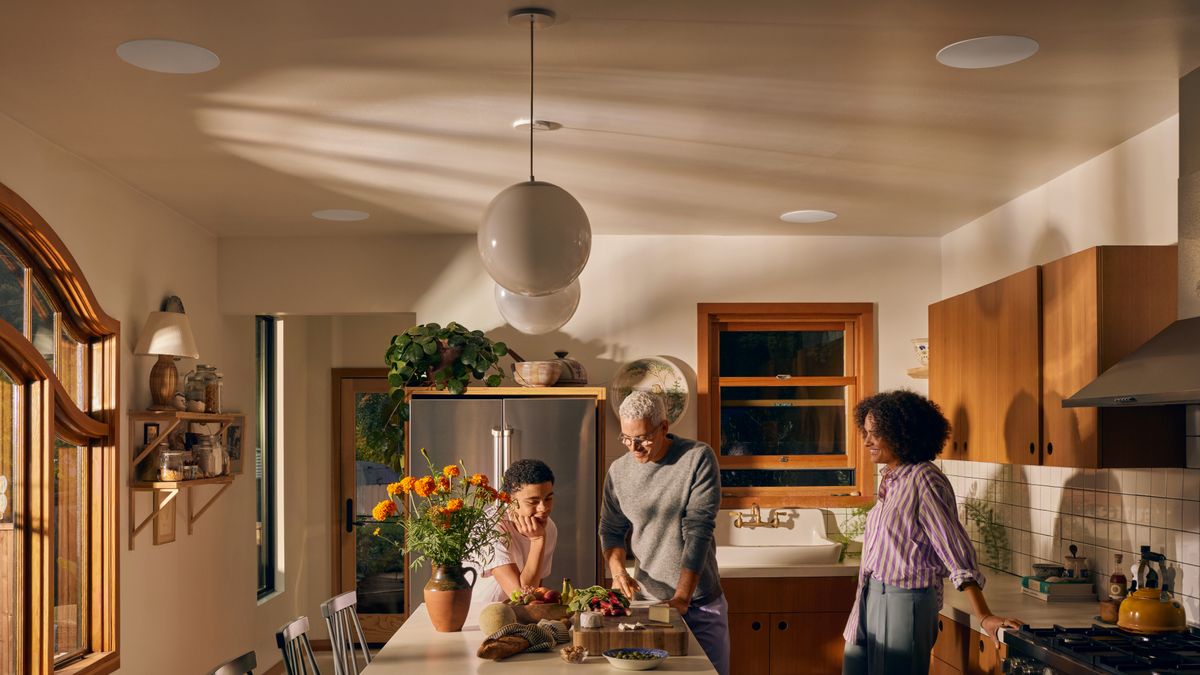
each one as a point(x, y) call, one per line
point(1051, 244)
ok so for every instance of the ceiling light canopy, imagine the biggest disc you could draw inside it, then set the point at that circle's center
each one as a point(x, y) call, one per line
point(168, 56)
point(808, 216)
point(535, 237)
point(987, 52)
point(343, 215)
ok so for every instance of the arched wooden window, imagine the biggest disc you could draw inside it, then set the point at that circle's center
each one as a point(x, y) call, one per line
point(58, 460)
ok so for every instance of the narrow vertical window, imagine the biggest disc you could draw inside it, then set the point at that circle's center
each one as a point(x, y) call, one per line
point(264, 454)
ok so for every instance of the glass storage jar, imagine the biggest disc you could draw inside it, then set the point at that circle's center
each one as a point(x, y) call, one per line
point(170, 465)
point(212, 392)
point(196, 387)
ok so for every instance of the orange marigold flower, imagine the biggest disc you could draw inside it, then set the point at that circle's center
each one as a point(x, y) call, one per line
point(451, 471)
point(504, 498)
point(478, 479)
point(406, 483)
point(376, 532)
point(393, 489)
point(384, 510)
point(443, 484)
point(454, 505)
point(424, 486)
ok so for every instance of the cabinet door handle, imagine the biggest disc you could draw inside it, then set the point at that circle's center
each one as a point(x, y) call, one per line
point(349, 515)
point(783, 625)
point(1032, 448)
point(1049, 448)
point(980, 645)
point(954, 446)
point(756, 626)
point(940, 626)
point(964, 446)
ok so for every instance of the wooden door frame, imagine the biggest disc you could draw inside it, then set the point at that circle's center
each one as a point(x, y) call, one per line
point(338, 567)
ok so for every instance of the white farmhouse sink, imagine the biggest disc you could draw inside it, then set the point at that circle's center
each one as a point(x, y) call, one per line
point(799, 540)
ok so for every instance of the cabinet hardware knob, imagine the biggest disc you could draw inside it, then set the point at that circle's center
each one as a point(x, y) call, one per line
point(964, 446)
point(940, 626)
point(1032, 448)
point(755, 626)
point(954, 446)
point(981, 645)
point(782, 625)
point(1049, 448)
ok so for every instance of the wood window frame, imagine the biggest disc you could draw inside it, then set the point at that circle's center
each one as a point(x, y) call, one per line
point(858, 320)
point(50, 412)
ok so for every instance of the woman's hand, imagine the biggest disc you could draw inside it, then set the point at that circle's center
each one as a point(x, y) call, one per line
point(992, 624)
point(530, 526)
point(626, 584)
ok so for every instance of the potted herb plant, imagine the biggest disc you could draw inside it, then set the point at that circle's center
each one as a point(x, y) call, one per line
point(445, 358)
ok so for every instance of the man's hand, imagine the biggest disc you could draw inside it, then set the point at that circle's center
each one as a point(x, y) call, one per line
point(530, 526)
point(626, 584)
point(681, 605)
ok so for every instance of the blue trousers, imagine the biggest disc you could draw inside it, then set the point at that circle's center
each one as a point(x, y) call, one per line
point(896, 631)
point(710, 624)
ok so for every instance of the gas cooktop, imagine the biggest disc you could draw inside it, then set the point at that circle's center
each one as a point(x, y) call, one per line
point(1082, 651)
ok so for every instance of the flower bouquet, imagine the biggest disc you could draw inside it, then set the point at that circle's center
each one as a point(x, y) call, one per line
point(447, 517)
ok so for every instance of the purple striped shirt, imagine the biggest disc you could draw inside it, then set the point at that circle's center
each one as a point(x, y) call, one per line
point(913, 537)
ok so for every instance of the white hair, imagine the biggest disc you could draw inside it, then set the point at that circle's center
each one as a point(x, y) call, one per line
point(642, 405)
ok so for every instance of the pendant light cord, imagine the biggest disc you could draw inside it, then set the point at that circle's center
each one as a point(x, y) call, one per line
point(531, 20)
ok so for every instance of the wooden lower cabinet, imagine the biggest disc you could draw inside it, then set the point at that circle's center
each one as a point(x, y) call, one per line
point(788, 626)
point(961, 650)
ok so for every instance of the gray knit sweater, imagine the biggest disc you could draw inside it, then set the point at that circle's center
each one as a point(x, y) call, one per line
point(671, 506)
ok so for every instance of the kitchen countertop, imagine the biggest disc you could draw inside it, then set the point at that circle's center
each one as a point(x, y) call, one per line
point(1004, 597)
point(417, 649)
point(848, 568)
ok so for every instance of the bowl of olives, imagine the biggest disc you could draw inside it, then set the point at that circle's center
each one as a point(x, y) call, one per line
point(635, 658)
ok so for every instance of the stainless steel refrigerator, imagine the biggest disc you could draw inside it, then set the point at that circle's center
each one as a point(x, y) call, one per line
point(489, 433)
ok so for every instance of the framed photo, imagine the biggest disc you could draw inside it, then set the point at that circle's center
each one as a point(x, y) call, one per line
point(234, 440)
point(149, 433)
point(164, 522)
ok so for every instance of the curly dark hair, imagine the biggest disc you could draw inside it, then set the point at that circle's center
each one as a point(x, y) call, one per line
point(526, 472)
point(911, 424)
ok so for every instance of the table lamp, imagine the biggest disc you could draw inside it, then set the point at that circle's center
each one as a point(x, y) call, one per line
point(167, 335)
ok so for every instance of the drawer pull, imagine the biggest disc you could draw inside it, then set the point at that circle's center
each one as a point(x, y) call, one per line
point(783, 625)
point(1032, 448)
point(980, 645)
point(940, 626)
point(756, 626)
point(1049, 448)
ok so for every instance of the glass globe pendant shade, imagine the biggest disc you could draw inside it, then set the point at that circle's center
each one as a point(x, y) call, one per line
point(535, 238)
point(536, 315)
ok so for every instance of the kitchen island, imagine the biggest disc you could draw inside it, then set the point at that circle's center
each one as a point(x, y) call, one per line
point(417, 649)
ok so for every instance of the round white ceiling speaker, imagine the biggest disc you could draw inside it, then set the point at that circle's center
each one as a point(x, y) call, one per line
point(168, 56)
point(535, 238)
point(991, 51)
point(541, 314)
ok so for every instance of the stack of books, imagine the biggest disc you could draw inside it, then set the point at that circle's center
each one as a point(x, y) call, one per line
point(1065, 590)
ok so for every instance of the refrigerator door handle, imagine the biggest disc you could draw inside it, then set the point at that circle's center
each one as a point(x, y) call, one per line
point(497, 455)
point(507, 448)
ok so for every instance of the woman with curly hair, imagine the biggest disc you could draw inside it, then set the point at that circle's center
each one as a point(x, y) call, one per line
point(913, 542)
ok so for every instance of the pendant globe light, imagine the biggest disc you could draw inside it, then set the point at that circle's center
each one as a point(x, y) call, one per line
point(541, 314)
point(535, 237)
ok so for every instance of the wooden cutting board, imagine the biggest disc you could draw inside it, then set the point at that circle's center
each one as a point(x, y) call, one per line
point(672, 638)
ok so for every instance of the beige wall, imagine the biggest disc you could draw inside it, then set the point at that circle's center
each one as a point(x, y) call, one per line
point(189, 604)
point(1124, 196)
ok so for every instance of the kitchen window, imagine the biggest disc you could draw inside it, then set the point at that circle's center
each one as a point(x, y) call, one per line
point(267, 365)
point(778, 383)
point(58, 459)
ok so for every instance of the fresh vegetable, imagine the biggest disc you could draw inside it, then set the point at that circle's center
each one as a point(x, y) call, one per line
point(607, 601)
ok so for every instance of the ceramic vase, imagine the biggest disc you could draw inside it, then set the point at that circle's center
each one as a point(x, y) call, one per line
point(448, 596)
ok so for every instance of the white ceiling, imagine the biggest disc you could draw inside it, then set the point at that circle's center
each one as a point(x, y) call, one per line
point(679, 116)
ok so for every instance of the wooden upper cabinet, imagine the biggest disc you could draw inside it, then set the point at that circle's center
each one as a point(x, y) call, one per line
point(1097, 306)
point(984, 351)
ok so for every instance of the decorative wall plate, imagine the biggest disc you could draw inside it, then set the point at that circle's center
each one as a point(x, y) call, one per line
point(652, 374)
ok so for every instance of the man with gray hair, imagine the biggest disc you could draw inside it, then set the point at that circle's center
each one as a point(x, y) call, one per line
point(667, 490)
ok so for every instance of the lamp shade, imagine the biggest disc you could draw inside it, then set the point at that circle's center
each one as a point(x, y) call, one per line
point(167, 334)
point(541, 314)
point(535, 238)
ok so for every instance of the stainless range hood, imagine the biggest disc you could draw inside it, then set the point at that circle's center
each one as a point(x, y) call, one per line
point(1166, 369)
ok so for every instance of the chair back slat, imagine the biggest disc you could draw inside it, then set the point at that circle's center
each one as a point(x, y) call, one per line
point(298, 657)
point(242, 665)
point(341, 618)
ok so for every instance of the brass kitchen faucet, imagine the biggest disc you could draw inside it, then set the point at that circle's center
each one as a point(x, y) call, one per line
point(755, 518)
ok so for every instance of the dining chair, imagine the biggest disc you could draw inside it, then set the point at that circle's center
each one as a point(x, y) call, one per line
point(298, 657)
point(342, 619)
point(242, 665)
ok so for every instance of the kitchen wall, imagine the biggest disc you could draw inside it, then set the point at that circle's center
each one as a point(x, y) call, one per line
point(1124, 196)
point(187, 605)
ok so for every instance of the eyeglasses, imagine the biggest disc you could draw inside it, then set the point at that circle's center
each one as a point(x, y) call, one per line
point(636, 441)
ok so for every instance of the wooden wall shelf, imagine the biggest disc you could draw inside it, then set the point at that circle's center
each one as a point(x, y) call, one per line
point(164, 493)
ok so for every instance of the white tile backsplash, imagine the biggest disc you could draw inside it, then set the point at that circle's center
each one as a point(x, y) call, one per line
point(1102, 511)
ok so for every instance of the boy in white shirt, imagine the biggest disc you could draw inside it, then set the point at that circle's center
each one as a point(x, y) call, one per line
point(523, 560)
